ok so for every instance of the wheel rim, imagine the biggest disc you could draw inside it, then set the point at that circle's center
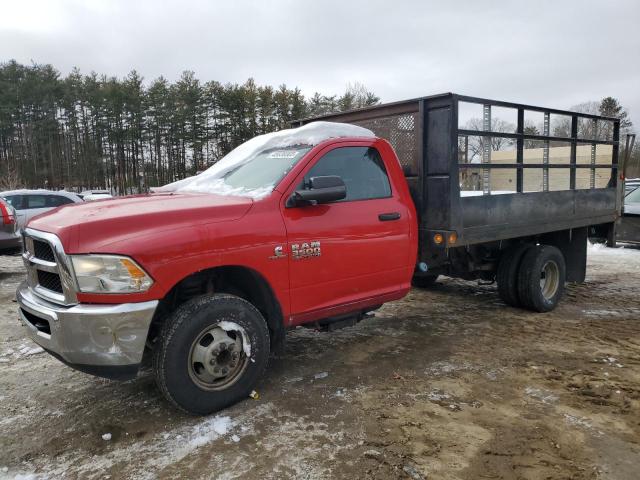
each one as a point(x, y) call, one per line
point(216, 358)
point(549, 279)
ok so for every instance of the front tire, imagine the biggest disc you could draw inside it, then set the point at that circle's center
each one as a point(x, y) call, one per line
point(541, 278)
point(211, 353)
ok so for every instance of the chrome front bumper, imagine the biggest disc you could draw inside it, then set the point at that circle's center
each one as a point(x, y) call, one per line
point(86, 336)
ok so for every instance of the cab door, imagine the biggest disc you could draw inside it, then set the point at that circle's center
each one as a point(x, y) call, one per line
point(350, 252)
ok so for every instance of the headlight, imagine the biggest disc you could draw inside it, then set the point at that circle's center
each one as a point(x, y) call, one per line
point(109, 274)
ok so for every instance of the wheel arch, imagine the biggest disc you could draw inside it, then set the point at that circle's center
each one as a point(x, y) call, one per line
point(239, 280)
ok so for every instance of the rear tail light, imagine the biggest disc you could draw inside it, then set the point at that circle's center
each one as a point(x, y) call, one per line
point(7, 216)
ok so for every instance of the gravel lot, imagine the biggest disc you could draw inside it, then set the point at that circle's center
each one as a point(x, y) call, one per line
point(447, 384)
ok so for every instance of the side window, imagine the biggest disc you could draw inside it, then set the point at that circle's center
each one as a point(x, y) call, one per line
point(36, 201)
point(57, 200)
point(361, 169)
point(15, 201)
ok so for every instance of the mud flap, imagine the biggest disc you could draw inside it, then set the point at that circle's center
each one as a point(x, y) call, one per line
point(573, 245)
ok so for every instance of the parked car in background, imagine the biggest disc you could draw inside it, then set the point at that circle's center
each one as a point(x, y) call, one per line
point(630, 185)
point(628, 225)
point(632, 202)
point(29, 203)
point(9, 233)
point(89, 195)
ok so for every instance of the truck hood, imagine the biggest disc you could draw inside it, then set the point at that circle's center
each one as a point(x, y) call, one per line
point(85, 227)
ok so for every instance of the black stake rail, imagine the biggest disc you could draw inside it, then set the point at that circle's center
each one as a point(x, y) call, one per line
point(425, 134)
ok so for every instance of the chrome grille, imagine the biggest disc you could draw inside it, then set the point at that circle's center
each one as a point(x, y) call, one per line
point(48, 270)
point(43, 251)
point(50, 281)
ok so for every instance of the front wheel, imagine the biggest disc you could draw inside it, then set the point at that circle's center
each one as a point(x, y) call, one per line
point(211, 353)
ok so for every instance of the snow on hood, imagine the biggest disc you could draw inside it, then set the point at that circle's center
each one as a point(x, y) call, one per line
point(212, 181)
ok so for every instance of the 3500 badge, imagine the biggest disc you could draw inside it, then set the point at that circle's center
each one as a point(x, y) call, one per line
point(300, 251)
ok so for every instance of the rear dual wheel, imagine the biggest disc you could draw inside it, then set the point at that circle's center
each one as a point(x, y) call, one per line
point(507, 275)
point(541, 278)
point(532, 277)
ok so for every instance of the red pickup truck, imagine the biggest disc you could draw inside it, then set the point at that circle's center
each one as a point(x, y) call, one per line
point(314, 225)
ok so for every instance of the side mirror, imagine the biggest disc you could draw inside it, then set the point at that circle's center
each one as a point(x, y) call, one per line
point(322, 190)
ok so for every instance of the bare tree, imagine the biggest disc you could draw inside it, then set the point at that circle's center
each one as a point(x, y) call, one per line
point(476, 143)
point(10, 180)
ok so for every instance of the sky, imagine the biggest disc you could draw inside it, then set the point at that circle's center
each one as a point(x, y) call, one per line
point(548, 53)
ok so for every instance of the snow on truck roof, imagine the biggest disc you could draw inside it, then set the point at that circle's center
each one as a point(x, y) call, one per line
point(212, 180)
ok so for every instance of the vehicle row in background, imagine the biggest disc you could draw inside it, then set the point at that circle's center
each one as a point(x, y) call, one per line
point(20, 206)
point(29, 203)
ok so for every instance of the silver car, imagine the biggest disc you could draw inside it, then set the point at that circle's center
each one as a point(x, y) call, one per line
point(29, 203)
point(9, 233)
point(632, 202)
point(630, 184)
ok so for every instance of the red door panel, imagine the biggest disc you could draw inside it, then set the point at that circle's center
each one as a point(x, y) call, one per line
point(360, 256)
point(363, 252)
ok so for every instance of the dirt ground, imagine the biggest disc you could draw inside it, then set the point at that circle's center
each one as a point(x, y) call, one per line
point(447, 384)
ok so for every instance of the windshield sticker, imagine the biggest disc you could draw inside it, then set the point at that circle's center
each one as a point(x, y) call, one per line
point(283, 154)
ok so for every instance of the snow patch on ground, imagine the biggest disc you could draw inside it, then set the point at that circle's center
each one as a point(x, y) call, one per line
point(438, 396)
point(539, 394)
point(439, 369)
point(210, 430)
point(31, 351)
point(602, 248)
point(580, 422)
point(23, 350)
point(149, 456)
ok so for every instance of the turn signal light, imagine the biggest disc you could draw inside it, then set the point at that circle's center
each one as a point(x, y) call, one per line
point(132, 268)
point(438, 238)
point(453, 238)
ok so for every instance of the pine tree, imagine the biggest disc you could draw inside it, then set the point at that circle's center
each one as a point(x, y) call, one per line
point(93, 131)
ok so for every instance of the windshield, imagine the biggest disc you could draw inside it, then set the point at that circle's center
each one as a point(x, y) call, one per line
point(255, 168)
point(633, 196)
point(255, 177)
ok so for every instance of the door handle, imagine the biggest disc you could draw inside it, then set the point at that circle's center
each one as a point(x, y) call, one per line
point(387, 217)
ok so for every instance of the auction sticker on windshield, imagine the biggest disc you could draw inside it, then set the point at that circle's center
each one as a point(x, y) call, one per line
point(283, 154)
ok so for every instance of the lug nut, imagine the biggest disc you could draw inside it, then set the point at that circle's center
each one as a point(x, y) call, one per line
point(225, 371)
point(223, 346)
point(212, 362)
